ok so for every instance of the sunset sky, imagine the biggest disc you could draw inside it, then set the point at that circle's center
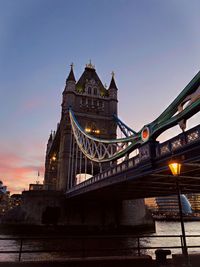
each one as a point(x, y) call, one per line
point(153, 47)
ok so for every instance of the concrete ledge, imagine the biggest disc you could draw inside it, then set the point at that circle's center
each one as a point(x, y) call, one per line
point(178, 259)
point(116, 261)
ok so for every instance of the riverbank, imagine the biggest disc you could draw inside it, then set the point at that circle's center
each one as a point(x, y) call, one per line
point(168, 218)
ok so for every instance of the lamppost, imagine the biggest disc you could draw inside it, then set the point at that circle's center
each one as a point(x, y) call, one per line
point(175, 168)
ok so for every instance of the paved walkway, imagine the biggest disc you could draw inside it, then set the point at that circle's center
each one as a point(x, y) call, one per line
point(115, 261)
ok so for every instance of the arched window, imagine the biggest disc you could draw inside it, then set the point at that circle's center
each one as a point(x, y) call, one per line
point(89, 90)
point(95, 91)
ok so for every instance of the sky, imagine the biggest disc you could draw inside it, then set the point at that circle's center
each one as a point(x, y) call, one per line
point(153, 47)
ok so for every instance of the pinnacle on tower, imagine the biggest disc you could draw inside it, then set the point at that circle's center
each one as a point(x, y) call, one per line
point(50, 137)
point(90, 66)
point(71, 76)
point(112, 83)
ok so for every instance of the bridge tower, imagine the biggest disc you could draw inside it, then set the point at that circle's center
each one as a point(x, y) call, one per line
point(94, 106)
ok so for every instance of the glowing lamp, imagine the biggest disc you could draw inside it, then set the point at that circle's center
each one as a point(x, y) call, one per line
point(54, 158)
point(97, 131)
point(88, 130)
point(175, 168)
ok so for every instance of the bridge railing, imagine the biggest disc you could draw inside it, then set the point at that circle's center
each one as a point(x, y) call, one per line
point(51, 248)
point(133, 162)
point(178, 142)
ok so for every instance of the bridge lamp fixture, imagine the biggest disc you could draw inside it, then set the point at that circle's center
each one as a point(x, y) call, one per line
point(54, 158)
point(175, 168)
point(88, 130)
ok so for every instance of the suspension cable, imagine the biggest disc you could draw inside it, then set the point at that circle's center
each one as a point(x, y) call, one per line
point(72, 172)
point(76, 165)
point(69, 162)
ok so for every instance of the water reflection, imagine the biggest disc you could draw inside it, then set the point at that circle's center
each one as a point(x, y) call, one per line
point(102, 246)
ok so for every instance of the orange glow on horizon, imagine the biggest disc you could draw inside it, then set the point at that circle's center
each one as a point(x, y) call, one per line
point(15, 175)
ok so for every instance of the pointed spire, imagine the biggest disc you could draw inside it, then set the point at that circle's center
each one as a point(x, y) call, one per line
point(71, 76)
point(112, 83)
point(90, 66)
point(50, 137)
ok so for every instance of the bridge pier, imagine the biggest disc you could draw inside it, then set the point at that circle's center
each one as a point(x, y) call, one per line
point(108, 215)
point(52, 208)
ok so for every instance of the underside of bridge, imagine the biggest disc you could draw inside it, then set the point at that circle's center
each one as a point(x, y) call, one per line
point(149, 184)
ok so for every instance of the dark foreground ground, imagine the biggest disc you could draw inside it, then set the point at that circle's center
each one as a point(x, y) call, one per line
point(142, 261)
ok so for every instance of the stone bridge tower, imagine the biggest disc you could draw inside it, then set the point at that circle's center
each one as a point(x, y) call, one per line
point(94, 106)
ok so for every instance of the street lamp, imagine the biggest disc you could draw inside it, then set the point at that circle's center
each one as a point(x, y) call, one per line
point(175, 168)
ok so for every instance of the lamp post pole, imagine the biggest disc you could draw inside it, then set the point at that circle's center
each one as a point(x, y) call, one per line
point(184, 244)
point(175, 169)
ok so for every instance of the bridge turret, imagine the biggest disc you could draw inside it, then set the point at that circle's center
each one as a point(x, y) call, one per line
point(70, 81)
point(49, 143)
point(69, 90)
point(112, 90)
point(47, 176)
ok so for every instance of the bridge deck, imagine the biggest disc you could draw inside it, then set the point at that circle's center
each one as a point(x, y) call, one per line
point(144, 176)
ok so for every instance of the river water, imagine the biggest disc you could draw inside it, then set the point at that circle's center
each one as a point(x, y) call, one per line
point(103, 245)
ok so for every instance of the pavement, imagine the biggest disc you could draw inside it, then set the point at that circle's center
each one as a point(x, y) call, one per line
point(114, 261)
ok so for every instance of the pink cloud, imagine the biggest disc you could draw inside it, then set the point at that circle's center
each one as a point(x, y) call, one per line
point(16, 173)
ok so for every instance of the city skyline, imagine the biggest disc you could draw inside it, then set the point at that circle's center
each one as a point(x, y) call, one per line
point(152, 47)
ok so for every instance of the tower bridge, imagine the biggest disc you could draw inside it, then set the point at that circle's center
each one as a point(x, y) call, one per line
point(95, 173)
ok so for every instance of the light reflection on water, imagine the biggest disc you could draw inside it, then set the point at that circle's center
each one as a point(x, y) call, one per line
point(77, 247)
point(174, 228)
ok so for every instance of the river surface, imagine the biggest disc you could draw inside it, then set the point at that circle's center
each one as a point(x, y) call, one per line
point(103, 245)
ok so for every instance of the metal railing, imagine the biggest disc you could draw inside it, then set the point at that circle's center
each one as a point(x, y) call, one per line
point(139, 245)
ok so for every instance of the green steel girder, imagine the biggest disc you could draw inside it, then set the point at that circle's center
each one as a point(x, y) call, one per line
point(171, 116)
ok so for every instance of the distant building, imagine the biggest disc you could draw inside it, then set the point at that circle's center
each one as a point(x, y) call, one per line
point(168, 205)
point(151, 204)
point(4, 199)
point(3, 188)
point(15, 200)
point(8, 202)
point(194, 201)
point(36, 186)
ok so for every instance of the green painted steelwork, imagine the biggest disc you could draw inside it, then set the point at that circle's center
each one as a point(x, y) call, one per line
point(173, 115)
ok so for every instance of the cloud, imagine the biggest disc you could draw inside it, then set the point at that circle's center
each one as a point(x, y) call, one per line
point(16, 174)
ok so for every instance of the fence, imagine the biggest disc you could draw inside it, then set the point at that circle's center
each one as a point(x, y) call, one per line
point(87, 246)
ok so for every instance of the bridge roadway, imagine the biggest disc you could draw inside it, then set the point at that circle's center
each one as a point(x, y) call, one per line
point(147, 174)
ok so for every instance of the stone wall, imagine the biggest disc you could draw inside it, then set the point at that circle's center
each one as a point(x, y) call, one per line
point(51, 207)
